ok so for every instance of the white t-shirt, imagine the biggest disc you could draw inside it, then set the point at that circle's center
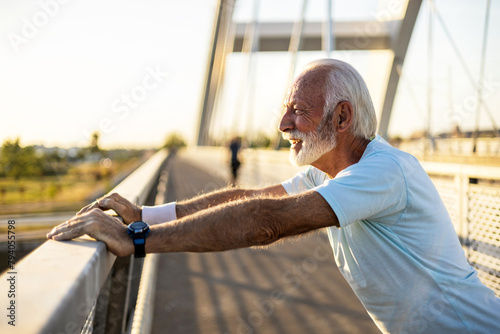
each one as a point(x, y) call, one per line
point(397, 248)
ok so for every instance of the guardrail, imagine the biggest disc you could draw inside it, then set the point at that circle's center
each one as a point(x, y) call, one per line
point(485, 147)
point(78, 286)
point(471, 194)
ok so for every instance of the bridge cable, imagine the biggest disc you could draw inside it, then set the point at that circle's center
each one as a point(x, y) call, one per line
point(252, 70)
point(247, 79)
point(328, 39)
point(481, 75)
point(464, 65)
point(293, 48)
point(430, 51)
point(230, 31)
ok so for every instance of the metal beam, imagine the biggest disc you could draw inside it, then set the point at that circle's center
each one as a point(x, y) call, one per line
point(215, 67)
point(400, 47)
point(275, 36)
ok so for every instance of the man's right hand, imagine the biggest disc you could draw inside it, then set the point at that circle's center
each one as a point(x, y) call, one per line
point(128, 211)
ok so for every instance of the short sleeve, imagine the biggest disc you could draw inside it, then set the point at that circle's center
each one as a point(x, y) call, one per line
point(373, 190)
point(305, 180)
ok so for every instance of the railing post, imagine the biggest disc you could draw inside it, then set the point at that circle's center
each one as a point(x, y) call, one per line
point(462, 184)
point(119, 290)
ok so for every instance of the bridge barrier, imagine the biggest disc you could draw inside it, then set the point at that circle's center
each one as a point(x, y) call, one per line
point(471, 194)
point(456, 147)
point(78, 286)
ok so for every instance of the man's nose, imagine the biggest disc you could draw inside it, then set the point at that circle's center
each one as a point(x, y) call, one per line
point(286, 122)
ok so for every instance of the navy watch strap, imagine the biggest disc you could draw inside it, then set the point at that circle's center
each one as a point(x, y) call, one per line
point(138, 231)
point(140, 249)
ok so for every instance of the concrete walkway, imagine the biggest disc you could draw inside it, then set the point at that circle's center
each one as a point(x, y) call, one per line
point(293, 287)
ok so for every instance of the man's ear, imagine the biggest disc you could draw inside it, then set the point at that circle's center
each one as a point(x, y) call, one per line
point(344, 116)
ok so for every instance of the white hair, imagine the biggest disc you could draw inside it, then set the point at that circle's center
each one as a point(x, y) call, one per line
point(344, 83)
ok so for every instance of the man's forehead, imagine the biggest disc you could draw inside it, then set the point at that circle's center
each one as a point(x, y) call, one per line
point(305, 89)
point(294, 99)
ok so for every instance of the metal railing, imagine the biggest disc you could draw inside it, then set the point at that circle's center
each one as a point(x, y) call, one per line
point(457, 147)
point(78, 286)
point(471, 194)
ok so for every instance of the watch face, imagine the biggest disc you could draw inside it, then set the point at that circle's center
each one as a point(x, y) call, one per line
point(138, 227)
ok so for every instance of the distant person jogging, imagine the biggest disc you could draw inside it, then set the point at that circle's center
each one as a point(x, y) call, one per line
point(235, 163)
point(391, 235)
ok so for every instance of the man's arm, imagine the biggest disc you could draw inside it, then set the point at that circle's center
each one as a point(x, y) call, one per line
point(237, 224)
point(252, 222)
point(204, 202)
point(130, 212)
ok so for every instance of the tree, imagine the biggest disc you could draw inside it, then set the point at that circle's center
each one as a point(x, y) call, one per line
point(17, 161)
point(261, 140)
point(174, 141)
point(94, 144)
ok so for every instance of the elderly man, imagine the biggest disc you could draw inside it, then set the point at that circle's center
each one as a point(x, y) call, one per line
point(392, 238)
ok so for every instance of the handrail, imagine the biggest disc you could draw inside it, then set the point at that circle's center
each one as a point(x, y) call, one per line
point(466, 170)
point(58, 284)
point(473, 207)
point(142, 321)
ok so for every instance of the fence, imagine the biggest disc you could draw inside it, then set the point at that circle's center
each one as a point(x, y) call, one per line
point(472, 196)
point(457, 147)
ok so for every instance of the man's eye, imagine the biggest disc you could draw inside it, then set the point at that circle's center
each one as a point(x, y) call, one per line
point(299, 111)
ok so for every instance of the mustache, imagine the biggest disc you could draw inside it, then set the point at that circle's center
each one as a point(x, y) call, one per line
point(294, 134)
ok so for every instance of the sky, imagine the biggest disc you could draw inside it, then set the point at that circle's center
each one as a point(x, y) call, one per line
point(134, 70)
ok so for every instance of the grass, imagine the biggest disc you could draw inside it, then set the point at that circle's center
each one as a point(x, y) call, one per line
point(47, 189)
point(68, 192)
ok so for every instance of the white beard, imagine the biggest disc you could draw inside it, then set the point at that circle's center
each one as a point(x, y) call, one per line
point(315, 144)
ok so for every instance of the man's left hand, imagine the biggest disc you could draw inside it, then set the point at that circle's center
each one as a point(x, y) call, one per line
point(98, 225)
point(128, 211)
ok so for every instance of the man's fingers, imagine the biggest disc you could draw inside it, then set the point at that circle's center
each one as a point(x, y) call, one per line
point(122, 206)
point(93, 205)
point(113, 201)
point(66, 235)
point(104, 203)
point(76, 226)
point(66, 231)
point(98, 225)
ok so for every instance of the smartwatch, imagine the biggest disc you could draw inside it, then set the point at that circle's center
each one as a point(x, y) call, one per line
point(138, 231)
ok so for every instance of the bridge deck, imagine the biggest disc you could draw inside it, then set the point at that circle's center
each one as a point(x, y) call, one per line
point(293, 287)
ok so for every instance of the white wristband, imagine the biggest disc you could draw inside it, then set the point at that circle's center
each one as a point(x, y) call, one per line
point(159, 213)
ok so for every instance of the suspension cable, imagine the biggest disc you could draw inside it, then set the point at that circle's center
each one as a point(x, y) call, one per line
point(464, 64)
point(481, 75)
point(248, 49)
point(430, 73)
point(293, 48)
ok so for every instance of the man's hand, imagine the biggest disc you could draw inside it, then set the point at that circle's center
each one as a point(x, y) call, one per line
point(123, 207)
point(98, 225)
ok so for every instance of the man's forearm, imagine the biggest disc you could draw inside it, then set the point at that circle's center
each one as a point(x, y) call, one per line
point(203, 202)
point(171, 211)
point(218, 228)
point(245, 223)
point(213, 199)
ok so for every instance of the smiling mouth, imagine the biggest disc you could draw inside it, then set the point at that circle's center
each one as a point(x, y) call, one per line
point(295, 142)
